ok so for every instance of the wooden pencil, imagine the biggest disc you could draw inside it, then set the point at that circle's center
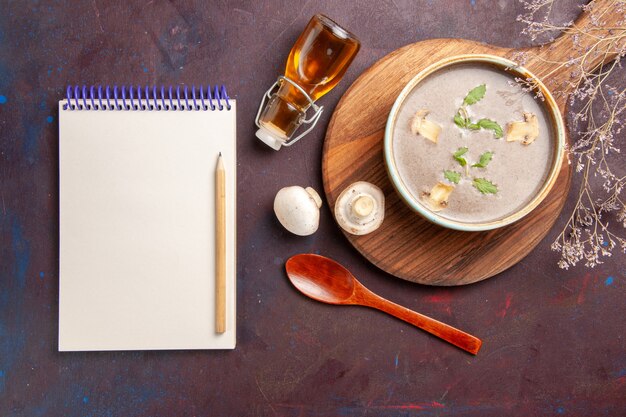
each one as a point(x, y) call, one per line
point(220, 246)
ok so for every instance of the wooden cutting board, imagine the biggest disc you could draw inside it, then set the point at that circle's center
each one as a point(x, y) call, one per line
point(406, 245)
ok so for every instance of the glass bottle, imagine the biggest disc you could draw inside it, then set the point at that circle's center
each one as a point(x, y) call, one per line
point(316, 63)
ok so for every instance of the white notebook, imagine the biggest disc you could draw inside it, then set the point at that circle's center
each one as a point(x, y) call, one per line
point(137, 219)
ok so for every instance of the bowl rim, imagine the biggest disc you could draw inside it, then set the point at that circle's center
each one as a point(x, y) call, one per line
point(550, 106)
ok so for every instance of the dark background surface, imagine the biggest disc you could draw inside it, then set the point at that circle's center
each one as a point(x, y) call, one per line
point(553, 339)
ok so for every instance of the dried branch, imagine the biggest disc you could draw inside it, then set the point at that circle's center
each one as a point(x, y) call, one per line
point(597, 122)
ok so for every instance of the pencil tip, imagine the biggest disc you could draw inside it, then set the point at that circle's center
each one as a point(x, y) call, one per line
point(220, 154)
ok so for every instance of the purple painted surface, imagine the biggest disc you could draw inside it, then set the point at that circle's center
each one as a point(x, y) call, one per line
point(554, 341)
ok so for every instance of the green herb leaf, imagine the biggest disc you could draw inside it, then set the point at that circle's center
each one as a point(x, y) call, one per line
point(491, 125)
point(452, 176)
point(458, 156)
point(485, 186)
point(485, 158)
point(473, 126)
point(459, 121)
point(461, 151)
point(475, 95)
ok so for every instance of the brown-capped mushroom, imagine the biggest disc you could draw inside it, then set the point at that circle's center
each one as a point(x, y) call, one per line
point(525, 132)
point(437, 198)
point(426, 128)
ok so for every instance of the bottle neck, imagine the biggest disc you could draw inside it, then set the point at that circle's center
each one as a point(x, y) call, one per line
point(294, 96)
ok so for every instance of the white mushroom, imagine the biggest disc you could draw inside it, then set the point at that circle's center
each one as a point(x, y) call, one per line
point(298, 209)
point(425, 128)
point(525, 132)
point(437, 198)
point(360, 208)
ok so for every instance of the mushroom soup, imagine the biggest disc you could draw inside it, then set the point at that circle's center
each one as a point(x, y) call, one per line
point(470, 143)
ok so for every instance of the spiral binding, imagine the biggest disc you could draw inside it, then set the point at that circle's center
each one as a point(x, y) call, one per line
point(151, 98)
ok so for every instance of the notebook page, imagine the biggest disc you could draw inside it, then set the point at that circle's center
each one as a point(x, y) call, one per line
point(137, 220)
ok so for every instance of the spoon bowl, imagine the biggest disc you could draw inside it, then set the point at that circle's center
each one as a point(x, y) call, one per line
point(333, 284)
point(325, 280)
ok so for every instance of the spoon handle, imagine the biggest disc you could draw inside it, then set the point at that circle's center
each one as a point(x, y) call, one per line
point(446, 332)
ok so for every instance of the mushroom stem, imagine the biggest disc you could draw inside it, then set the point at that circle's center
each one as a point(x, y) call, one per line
point(316, 197)
point(363, 205)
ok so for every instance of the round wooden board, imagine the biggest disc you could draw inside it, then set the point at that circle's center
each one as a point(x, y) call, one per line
point(406, 245)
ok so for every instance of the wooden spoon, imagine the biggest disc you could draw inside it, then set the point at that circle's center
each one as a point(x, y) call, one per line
point(325, 280)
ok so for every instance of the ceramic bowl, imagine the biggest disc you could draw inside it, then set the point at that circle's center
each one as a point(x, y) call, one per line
point(554, 117)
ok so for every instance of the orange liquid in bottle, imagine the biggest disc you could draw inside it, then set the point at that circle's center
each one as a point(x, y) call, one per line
point(317, 62)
